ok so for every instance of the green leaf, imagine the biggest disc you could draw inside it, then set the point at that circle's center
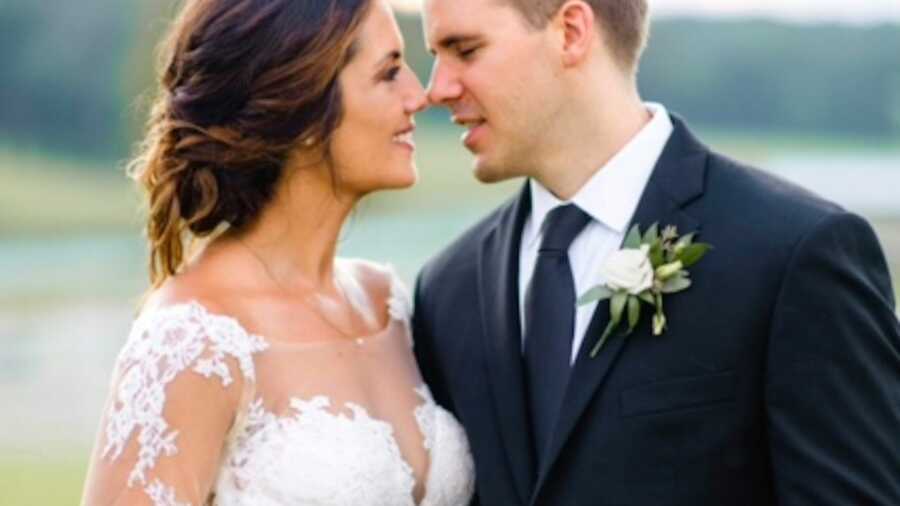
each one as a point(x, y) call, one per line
point(634, 312)
point(656, 254)
point(651, 235)
point(606, 333)
point(693, 253)
point(633, 239)
point(685, 241)
point(647, 297)
point(617, 306)
point(676, 284)
point(597, 293)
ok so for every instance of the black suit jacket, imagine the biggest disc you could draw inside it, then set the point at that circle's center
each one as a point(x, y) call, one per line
point(777, 381)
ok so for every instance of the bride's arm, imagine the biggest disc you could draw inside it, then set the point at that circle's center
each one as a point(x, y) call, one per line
point(173, 399)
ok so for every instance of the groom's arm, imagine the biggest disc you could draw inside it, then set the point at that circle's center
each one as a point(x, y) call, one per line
point(833, 371)
point(427, 358)
point(425, 352)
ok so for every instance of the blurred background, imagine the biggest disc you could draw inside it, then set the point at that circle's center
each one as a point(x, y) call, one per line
point(809, 90)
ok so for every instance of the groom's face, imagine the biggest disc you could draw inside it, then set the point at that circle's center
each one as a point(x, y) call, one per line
point(498, 77)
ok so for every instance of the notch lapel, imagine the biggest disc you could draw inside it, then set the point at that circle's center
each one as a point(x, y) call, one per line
point(677, 179)
point(498, 272)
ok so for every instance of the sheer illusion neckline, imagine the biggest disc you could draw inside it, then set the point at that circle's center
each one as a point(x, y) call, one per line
point(356, 339)
point(351, 412)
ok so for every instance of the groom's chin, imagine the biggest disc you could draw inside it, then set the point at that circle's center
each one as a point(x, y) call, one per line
point(487, 173)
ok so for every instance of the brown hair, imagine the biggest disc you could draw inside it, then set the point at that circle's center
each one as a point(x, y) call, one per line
point(624, 22)
point(242, 84)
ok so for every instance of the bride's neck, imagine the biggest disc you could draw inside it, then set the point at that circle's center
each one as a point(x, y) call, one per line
point(296, 234)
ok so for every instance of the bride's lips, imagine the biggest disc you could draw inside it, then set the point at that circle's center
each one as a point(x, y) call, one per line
point(404, 138)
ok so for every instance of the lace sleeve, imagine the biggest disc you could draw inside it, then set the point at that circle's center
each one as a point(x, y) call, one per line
point(176, 388)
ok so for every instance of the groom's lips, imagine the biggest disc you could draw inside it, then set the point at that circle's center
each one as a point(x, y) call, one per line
point(475, 132)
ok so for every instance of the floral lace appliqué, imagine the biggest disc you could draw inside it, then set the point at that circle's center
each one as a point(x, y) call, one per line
point(163, 344)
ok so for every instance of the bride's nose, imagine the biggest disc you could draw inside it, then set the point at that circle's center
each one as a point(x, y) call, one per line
point(414, 99)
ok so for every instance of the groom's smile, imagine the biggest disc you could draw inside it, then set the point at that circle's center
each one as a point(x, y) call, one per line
point(476, 130)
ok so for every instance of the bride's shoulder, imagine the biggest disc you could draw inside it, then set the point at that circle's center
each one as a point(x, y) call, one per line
point(382, 281)
point(185, 320)
point(373, 275)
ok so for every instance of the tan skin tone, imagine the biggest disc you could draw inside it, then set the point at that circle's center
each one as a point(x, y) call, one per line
point(552, 103)
point(280, 270)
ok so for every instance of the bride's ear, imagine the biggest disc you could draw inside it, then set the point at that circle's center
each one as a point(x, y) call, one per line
point(576, 26)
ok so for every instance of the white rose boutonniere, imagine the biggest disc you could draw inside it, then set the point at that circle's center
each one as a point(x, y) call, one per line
point(647, 267)
point(629, 270)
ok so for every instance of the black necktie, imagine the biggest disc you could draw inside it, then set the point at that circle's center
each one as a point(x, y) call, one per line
point(550, 322)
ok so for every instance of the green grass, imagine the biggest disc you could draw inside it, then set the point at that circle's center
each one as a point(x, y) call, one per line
point(46, 195)
point(40, 481)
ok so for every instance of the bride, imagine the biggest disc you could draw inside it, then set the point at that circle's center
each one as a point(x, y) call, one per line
point(262, 370)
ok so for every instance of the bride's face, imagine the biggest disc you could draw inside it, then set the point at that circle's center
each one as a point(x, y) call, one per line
point(373, 147)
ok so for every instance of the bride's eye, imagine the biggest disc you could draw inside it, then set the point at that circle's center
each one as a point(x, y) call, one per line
point(391, 74)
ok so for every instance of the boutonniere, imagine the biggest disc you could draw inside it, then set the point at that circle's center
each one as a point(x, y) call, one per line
point(647, 267)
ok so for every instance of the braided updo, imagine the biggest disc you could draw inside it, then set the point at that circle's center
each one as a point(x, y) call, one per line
point(243, 83)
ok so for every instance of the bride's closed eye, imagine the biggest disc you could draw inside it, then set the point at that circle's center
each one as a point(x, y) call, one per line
point(391, 74)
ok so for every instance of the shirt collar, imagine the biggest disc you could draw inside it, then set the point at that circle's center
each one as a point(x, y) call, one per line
point(612, 194)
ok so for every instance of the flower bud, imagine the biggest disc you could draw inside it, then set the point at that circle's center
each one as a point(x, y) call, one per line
point(664, 272)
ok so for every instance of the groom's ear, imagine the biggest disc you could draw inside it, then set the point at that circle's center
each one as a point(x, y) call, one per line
point(577, 29)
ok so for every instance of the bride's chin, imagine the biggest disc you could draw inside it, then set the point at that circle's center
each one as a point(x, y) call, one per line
point(406, 178)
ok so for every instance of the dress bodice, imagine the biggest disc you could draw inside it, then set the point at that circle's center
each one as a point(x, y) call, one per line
point(345, 422)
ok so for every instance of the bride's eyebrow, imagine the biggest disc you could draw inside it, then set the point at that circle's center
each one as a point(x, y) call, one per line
point(389, 58)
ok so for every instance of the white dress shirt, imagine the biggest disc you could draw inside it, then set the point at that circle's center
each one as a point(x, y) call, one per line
point(610, 197)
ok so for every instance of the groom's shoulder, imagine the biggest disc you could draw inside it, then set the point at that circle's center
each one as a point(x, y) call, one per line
point(763, 198)
point(460, 257)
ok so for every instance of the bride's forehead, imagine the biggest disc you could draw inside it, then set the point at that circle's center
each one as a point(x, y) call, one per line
point(379, 29)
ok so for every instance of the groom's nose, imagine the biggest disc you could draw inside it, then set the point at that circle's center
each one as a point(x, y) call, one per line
point(444, 86)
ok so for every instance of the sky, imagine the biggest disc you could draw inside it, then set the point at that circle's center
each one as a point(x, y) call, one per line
point(843, 11)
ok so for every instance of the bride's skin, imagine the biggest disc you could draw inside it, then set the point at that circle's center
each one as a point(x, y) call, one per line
point(278, 275)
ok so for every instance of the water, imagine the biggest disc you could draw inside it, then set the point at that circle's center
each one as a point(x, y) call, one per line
point(66, 303)
point(869, 185)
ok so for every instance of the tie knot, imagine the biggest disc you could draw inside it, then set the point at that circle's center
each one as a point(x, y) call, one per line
point(561, 227)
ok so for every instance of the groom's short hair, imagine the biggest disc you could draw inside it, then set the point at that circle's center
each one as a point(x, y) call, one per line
point(625, 23)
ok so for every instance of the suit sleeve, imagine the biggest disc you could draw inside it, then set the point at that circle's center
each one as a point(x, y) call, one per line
point(833, 371)
point(425, 349)
point(426, 355)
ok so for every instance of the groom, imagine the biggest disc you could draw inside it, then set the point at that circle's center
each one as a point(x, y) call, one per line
point(777, 378)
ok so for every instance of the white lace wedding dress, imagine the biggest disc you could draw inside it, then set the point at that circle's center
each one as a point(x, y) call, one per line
point(202, 412)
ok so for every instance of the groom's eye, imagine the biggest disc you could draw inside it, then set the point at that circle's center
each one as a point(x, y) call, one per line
point(466, 52)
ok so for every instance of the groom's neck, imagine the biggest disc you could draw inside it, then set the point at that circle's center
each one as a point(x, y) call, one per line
point(599, 122)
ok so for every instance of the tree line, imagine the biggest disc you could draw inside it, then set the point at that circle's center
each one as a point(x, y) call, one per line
point(75, 75)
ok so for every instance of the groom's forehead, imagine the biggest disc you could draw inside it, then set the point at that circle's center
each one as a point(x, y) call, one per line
point(455, 19)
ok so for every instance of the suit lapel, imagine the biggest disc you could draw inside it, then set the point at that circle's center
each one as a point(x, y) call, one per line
point(677, 180)
point(498, 269)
